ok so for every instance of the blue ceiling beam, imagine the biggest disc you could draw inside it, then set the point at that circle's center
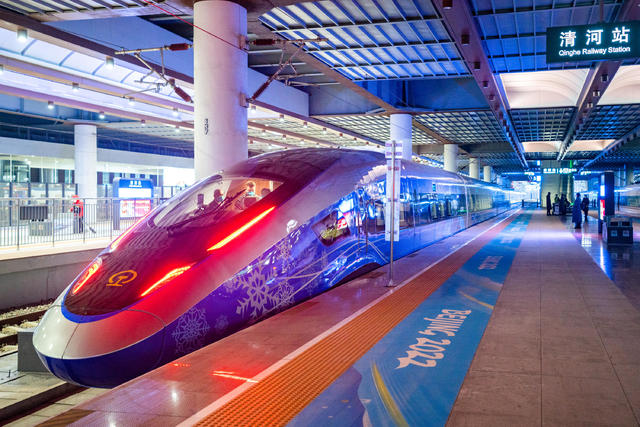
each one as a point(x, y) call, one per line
point(596, 83)
point(634, 134)
point(459, 20)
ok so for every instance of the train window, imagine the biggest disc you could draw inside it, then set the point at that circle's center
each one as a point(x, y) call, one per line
point(222, 198)
point(332, 228)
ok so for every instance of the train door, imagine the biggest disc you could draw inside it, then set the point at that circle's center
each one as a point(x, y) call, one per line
point(360, 220)
point(406, 244)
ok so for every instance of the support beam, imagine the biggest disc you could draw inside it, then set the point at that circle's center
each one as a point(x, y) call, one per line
point(461, 25)
point(85, 140)
point(474, 168)
point(220, 80)
point(451, 158)
point(316, 122)
point(486, 173)
point(41, 31)
point(596, 84)
point(400, 131)
point(635, 133)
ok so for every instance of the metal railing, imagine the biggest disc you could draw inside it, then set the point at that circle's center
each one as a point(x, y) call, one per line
point(47, 221)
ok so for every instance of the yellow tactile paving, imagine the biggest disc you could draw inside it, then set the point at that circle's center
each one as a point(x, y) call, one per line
point(282, 395)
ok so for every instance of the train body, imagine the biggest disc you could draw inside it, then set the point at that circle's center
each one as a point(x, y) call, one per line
point(628, 200)
point(235, 248)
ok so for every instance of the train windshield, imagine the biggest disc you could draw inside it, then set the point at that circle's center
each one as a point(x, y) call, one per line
point(215, 200)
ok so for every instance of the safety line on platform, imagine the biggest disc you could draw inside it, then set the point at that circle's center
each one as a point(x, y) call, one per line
point(284, 388)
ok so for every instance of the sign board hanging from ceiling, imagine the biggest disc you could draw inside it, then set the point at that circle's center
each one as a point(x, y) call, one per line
point(606, 41)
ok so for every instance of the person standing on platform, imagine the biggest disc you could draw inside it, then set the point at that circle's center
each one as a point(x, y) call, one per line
point(576, 214)
point(585, 207)
point(549, 206)
point(78, 214)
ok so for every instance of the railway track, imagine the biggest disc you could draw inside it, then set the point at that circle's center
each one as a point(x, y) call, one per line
point(16, 318)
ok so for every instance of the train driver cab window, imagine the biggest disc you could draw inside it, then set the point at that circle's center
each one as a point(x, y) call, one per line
point(332, 228)
point(222, 198)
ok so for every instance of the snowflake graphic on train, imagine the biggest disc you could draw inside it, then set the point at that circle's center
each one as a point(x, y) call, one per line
point(190, 331)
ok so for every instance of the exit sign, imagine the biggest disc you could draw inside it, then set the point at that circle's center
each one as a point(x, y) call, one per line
point(593, 42)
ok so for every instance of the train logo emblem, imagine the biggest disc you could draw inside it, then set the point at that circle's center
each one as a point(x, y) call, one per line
point(122, 278)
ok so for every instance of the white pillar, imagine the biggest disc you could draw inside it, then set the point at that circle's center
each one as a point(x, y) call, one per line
point(487, 174)
point(474, 168)
point(401, 125)
point(85, 140)
point(451, 157)
point(629, 174)
point(220, 82)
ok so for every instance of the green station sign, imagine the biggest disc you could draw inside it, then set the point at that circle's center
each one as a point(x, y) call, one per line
point(593, 42)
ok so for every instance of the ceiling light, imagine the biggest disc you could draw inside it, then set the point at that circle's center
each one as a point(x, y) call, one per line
point(282, 117)
point(101, 115)
point(253, 107)
point(341, 136)
point(177, 129)
point(604, 77)
point(596, 93)
point(132, 102)
point(447, 4)
point(1, 68)
point(22, 35)
point(50, 105)
point(75, 87)
point(485, 84)
point(464, 38)
point(324, 131)
point(263, 132)
point(143, 122)
point(305, 125)
point(476, 65)
point(109, 63)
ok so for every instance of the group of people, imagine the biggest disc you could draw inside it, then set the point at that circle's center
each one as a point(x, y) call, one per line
point(580, 206)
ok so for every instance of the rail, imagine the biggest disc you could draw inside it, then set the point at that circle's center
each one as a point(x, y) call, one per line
point(47, 221)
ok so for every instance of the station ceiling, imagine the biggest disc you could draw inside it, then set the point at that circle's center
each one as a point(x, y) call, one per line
point(380, 57)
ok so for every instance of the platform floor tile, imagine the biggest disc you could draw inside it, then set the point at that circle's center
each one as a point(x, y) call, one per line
point(563, 344)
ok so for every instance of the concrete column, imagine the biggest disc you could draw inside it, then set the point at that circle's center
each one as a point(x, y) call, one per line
point(629, 174)
point(401, 125)
point(486, 175)
point(474, 168)
point(220, 82)
point(85, 140)
point(451, 158)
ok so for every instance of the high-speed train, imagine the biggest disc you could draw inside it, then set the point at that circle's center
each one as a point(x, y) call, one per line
point(628, 200)
point(235, 248)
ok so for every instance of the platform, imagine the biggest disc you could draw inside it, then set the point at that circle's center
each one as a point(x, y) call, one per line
point(510, 322)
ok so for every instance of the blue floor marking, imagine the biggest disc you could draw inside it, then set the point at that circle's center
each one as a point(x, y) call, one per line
point(413, 375)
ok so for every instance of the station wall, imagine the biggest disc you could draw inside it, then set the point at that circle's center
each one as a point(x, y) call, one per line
point(28, 280)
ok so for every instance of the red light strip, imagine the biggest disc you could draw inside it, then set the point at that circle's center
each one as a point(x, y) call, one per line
point(169, 276)
point(240, 230)
point(86, 276)
point(128, 231)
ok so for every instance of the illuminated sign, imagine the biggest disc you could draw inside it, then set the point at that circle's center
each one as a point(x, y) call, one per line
point(593, 42)
point(562, 171)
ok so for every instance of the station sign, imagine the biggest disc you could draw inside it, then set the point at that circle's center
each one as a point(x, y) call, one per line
point(561, 171)
point(593, 42)
point(135, 195)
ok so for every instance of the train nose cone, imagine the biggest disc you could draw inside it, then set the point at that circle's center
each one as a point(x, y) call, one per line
point(99, 353)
